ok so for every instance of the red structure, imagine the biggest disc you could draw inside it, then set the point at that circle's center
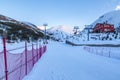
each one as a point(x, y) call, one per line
point(103, 27)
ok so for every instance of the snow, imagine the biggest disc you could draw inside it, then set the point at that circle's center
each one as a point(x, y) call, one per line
point(29, 24)
point(6, 18)
point(10, 20)
point(112, 17)
point(1, 46)
point(14, 48)
point(95, 38)
point(60, 33)
point(62, 28)
point(65, 62)
point(97, 42)
point(111, 52)
point(41, 27)
point(117, 7)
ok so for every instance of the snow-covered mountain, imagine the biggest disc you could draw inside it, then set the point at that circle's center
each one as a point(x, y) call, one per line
point(41, 27)
point(28, 25)
point(62, 28)
point(112, 17)
point(19, 29)
point(60, 33)
point(6, 19)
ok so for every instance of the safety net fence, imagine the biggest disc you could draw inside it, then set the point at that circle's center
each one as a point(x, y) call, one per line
point(19, 64)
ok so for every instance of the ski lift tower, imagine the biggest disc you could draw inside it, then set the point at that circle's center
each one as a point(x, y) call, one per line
point(88, 28)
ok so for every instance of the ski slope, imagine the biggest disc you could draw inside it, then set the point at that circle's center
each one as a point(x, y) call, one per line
point(65, 62)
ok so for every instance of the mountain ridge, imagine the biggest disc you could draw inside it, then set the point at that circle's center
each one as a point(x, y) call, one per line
point(19, 29)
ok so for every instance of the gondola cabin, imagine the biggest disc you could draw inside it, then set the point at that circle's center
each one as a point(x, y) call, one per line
point(103, 27)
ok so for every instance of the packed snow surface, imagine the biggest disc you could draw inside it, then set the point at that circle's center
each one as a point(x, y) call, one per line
point(65, 62)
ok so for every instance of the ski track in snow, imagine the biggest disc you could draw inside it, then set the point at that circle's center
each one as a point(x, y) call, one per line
point(65, 62)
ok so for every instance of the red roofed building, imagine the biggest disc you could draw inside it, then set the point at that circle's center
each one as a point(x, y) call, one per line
point(103, 27)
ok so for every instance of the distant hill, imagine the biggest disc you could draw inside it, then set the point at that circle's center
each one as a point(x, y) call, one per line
point(62, 28)
point(17, 30)
point(60, 33)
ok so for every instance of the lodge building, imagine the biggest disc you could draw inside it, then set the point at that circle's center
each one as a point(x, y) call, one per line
point(103, 27)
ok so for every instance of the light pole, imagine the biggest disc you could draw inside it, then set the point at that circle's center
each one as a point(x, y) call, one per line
point(45, 38)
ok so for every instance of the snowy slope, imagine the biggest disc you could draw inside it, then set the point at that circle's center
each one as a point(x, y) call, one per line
point(31, 26)
point(19, 30)
point(60, 33)
point(112, 17)
point(64, 62)
point(41, 27)
point(28, 25)
point(6, 19)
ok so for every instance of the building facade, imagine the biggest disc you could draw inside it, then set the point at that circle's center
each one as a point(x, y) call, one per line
point(103, 27)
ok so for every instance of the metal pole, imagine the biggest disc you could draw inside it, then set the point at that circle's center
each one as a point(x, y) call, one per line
point(37, 51)
point(40, 49)
point(88, 34)
point(5, 55)
point(32, 54)
point(26, 57)
point(5, 58)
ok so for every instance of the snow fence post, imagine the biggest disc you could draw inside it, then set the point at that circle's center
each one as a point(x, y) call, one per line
point(45, 48)
point(32, 54)
point(5, 57)
point(37, 51)
point(26, 57)
point(40, 51)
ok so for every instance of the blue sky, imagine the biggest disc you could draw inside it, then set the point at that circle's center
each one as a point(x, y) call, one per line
point(57, 12)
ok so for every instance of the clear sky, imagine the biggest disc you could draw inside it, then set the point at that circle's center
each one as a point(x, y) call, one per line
point(57, 12)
